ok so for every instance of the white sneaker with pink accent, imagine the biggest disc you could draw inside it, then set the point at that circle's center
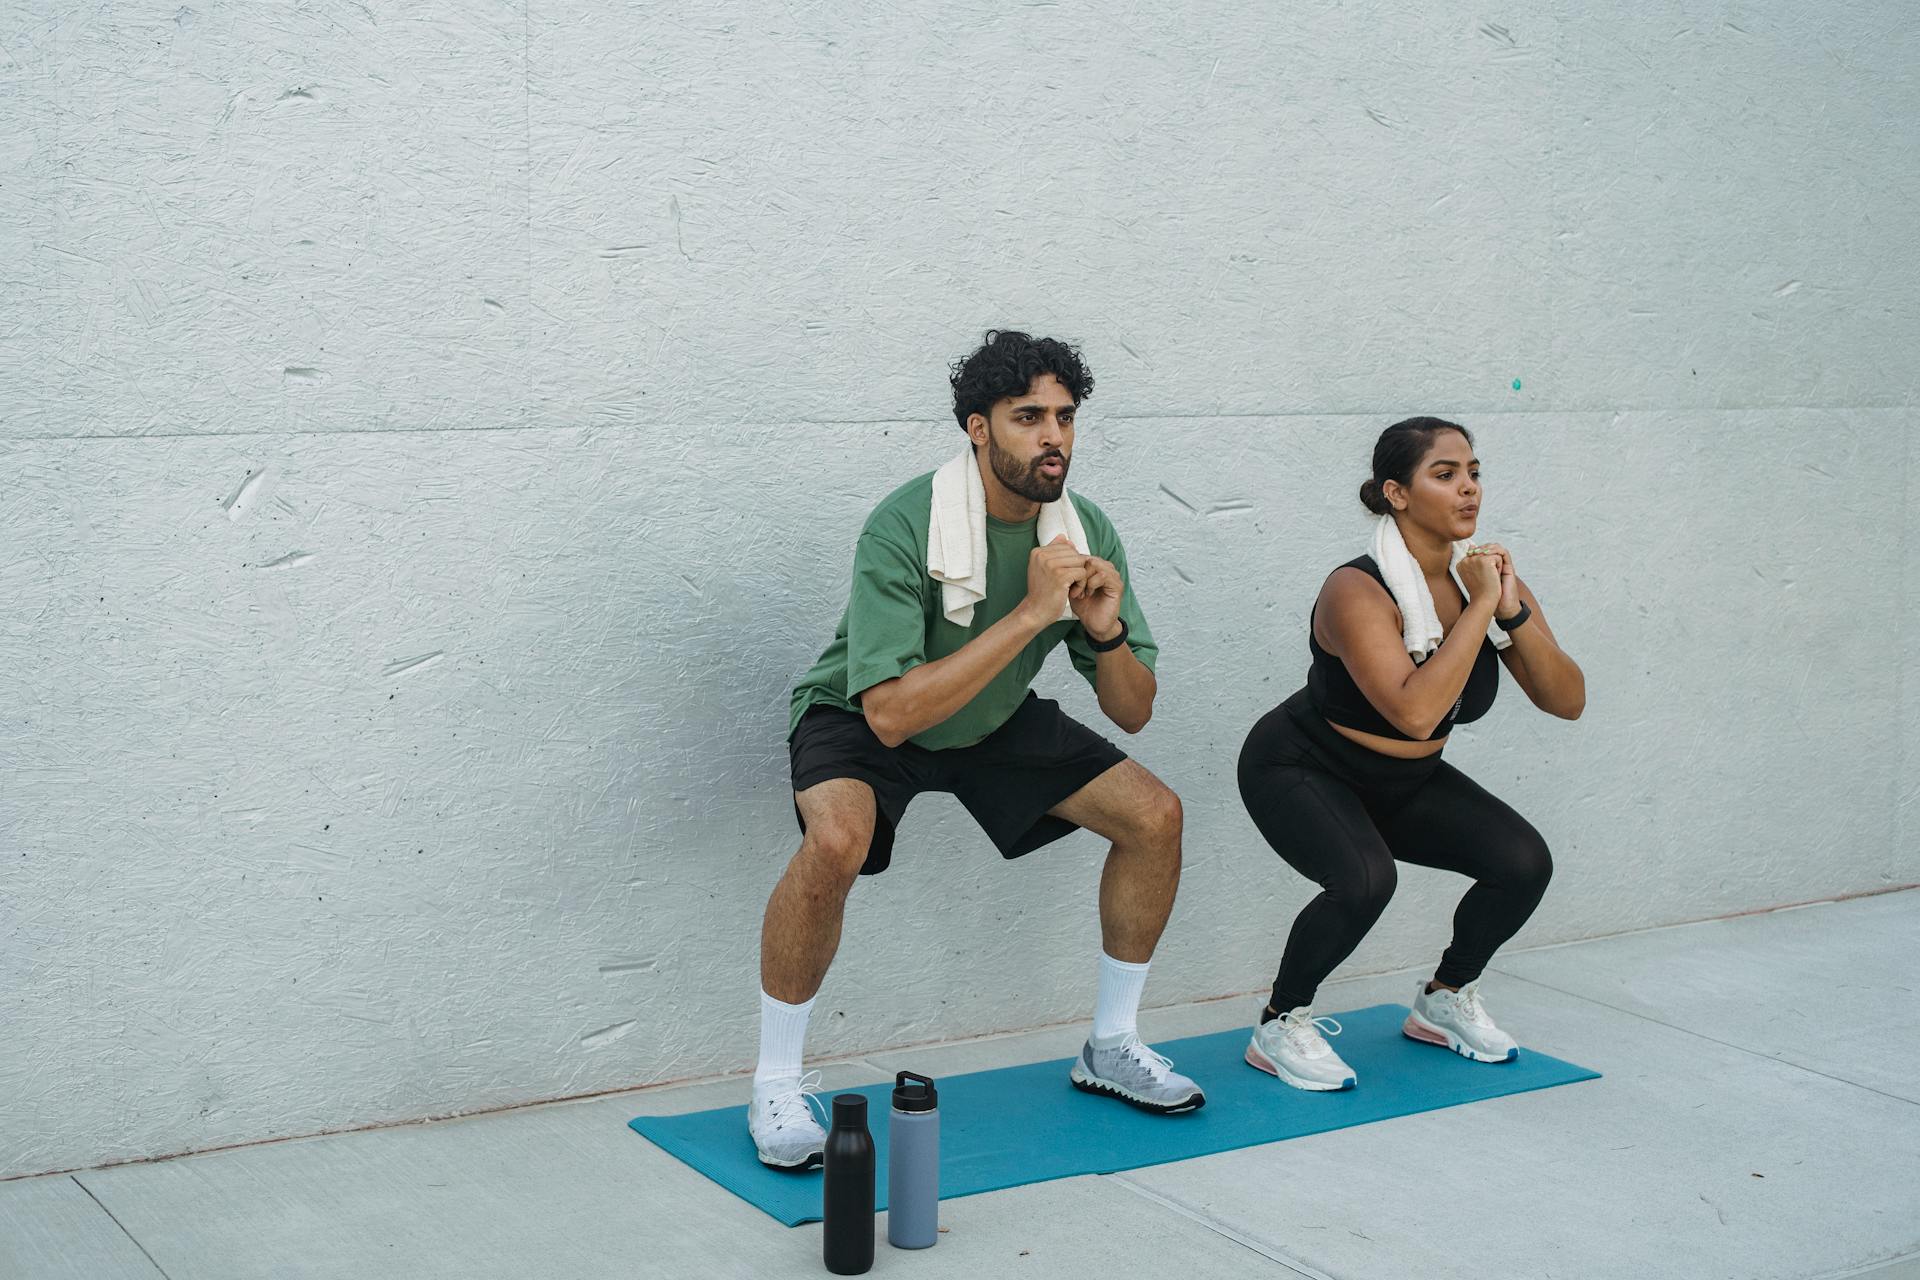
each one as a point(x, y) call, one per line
point(1457, 1020)
point(1293, 1048)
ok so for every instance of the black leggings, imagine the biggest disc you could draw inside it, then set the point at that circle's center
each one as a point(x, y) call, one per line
point(1341, 814)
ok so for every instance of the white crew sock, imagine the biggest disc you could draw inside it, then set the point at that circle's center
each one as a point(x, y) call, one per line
point(783, 1033)
point(1116, 1011)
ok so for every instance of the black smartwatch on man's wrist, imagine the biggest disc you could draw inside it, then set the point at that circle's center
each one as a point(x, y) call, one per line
point(1107, 646)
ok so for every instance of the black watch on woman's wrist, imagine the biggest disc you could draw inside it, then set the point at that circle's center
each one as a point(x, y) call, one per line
point(1509, 624)
point(1107, 646)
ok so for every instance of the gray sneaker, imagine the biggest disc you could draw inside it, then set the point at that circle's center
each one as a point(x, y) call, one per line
point(781, 1120)
point(1130, 1071)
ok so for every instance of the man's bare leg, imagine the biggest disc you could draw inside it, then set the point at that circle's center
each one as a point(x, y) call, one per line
point(1143, 818)
point(801, 930)
point(798, 938)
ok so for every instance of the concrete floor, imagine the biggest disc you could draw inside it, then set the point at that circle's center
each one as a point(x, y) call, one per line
point(1760, 1118)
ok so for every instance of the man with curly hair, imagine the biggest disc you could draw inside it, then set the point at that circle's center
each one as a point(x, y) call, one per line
point(963, 581)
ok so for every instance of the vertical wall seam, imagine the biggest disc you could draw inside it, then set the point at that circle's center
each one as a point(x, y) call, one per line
point(1896, 784)
point(526, 225)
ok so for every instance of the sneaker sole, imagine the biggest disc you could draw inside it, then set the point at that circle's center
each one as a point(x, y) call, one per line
point(812, 1160)
point(1418, 1028)
point(1107, 1088)
point(1259, 1060)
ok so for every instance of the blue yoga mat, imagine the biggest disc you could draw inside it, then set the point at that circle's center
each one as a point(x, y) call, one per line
point(1025, 1124)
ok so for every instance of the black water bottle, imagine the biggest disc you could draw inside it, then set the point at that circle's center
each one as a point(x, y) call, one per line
point(846, 1211)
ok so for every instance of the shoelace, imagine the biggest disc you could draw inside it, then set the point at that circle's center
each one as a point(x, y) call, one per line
point(1470, 1005)
point(781, 1106)
point(1306, 1032)
point(1152, 1063)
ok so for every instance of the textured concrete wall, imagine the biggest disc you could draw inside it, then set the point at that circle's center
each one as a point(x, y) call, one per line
point(1906, 784)
point(434, 438)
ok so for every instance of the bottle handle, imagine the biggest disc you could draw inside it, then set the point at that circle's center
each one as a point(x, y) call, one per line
point(902, 1079)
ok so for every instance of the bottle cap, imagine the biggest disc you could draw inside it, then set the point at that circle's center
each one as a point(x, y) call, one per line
point(849, 1108)
point(914, 1092)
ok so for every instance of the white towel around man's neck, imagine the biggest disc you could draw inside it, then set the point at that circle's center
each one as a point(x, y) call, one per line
point(1420, 627)
point(957, 536)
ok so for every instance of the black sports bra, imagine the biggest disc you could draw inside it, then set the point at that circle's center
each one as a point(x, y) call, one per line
point(1331, 690)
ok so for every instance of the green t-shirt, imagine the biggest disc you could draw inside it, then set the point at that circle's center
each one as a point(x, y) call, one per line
point(894, 620)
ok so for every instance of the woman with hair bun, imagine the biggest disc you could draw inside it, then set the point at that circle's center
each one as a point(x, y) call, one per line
point(1345, 777)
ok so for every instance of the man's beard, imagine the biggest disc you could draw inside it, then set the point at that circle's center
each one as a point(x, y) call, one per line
point(1025, 479)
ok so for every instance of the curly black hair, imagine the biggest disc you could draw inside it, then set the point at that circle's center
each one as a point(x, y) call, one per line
point(1006, 365)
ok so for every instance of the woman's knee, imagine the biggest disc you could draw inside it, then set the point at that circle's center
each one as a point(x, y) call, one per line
point(1365, 887)
point(1382, 879)
point(1526, 862)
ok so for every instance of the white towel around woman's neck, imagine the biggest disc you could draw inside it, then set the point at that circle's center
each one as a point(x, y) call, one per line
point(1420, 627)
point(957, 536)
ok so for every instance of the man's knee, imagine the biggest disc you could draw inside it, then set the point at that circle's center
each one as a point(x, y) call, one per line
point(837, 849)
point(1159, 818)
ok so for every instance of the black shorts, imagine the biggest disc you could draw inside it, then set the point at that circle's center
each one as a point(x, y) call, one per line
point(1007, 781)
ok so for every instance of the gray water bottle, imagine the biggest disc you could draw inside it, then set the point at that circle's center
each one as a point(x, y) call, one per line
point(913, 1163)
